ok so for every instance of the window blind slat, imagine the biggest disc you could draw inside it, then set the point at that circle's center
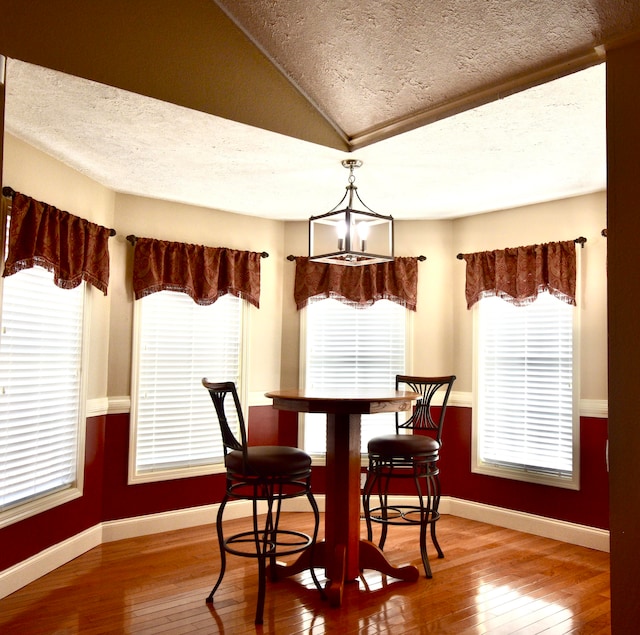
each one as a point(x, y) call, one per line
point(358, 347)
point(40, 372)
point(180, 343)
point(526, 370)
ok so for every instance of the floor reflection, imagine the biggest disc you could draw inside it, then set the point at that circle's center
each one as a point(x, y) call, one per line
point(503, 607)
point(492, 580)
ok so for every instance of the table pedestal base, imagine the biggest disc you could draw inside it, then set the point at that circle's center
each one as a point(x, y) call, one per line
point(370, 557)
point(342, 554)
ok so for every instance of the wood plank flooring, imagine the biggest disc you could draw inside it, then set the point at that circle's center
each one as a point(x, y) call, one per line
point(492, 580)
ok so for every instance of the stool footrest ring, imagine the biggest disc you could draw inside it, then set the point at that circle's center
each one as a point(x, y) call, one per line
point(275, 545)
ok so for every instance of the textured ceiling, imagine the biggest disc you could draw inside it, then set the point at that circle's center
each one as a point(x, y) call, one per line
point(378, 72)
point(372, 68)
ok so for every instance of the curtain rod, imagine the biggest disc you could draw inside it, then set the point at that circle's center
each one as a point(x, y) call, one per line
point(133, 239)
point(9, 192)
point(291, 258)
point(581, 240)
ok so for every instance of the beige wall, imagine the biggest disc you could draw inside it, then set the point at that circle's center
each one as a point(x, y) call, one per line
point(559, 220)
point(34, 173)
point(432, 348)
point(442, 326)
point(37, 175)
point(172, 221)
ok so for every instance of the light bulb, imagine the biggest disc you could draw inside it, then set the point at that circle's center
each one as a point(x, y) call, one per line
point(363, 233)
point(341, 230)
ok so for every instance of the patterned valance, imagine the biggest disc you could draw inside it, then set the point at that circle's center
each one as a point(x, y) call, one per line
point(363, 285)
point(203, 273)
point(517, 275)
point(73, 248)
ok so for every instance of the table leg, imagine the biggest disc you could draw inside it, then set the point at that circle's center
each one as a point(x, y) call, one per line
point(342, 503)
point(342, 553)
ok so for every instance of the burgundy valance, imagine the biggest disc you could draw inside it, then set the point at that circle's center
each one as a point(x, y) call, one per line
point(204, 273)
point(517, 275)
point(363, 285)
point(73, 248)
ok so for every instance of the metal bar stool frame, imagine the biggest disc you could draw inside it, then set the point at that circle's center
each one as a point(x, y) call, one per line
point(413, 457)
point(266, 476)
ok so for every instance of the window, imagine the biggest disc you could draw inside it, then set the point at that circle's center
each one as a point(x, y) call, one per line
point(360, 347)
point(178, 343)
point(41, 394)
point(525, 419)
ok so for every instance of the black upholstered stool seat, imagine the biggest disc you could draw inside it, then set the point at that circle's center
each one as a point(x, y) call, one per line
point(269, 460)
point(405, 445)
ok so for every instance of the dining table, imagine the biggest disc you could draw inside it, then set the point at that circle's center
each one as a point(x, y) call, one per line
point(343, 553)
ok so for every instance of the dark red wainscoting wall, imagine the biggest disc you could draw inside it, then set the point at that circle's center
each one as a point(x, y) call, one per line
point(107, 496)
point(588, 506)
point(24, 539)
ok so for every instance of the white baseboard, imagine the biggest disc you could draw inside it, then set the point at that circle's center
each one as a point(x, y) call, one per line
point(27, 571)
point(46, 561)
point(170, 521)
point(528, 523)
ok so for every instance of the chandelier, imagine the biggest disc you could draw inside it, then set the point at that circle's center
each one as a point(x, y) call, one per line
point(348, 236)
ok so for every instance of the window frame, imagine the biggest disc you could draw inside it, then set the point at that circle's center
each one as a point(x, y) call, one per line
point(320, 458)
point(75, 490)
point(478, 466)
point(136, 477)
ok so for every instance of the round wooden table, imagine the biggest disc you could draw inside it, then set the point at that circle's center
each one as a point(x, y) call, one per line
point(342, 553)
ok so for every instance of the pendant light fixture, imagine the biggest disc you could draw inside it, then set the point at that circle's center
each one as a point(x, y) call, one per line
point(349, 236)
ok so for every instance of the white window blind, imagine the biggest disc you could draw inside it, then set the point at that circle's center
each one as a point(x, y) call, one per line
point(179, 343)
point(354, 347)
point(40, 386)
point(526, 385)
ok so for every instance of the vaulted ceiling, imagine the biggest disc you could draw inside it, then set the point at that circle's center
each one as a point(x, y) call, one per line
point(249, 105)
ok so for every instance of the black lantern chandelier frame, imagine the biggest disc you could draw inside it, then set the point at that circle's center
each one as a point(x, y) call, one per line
point(348, 236)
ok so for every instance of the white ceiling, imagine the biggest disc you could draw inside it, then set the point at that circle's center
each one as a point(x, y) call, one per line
point(541, 144)
point(372, 71)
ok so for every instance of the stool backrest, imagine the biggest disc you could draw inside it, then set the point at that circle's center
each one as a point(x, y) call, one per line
point(218, 392)
point(426, 407)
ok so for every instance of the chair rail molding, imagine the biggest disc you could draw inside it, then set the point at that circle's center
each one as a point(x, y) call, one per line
point(597, 408)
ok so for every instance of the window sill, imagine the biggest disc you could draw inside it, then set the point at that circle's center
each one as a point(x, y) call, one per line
point(174, 475)
point(515, 474)
point(38, 506)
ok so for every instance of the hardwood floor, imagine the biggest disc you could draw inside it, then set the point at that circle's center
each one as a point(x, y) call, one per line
point(492, 580)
